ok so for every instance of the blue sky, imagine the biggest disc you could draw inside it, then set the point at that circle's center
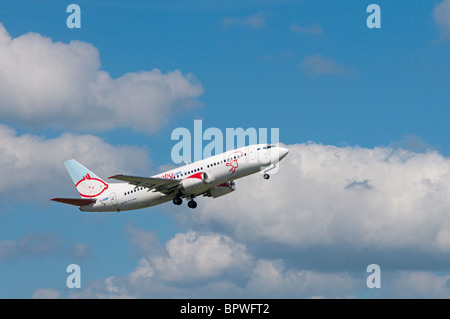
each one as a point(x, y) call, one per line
point(364, 112)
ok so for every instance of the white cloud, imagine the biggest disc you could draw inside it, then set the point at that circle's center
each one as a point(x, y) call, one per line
point(192, 258)
point(441, 15)
point(417, 284)
point(188, 263)
point(308, 232)
point(209, 265)
point(53, 84)
point(318, 65)
point(255, 21)
point(379, 198)
point(270, 279)
point(35, 165)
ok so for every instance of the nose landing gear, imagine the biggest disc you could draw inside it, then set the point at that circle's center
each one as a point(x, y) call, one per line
point(267, 169)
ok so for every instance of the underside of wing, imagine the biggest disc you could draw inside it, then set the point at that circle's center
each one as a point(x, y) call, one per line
point(152, 183)
point(74, 201)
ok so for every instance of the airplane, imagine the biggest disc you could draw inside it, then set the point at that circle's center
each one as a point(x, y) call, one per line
point(211, 177)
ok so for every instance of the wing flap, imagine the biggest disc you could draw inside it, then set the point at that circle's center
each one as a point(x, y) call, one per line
point(74, 201)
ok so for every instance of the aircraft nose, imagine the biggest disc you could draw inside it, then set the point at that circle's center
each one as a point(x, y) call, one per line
point(283, 152)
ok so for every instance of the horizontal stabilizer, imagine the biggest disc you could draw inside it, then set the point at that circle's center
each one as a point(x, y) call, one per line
point(74, 201)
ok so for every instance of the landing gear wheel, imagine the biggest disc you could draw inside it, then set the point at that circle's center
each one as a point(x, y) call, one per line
point(192, 203)
point(266, 176)
point(177, 201)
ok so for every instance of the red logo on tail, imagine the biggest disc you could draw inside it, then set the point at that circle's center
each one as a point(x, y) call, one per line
point(90, 187)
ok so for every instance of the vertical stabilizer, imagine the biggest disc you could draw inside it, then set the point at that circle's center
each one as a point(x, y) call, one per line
point(87, 183)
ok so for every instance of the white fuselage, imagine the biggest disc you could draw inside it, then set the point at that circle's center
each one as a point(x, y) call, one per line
point(220, 169)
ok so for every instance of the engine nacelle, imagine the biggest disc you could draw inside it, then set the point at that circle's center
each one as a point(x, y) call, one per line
point(222, 189)
point(196, 183)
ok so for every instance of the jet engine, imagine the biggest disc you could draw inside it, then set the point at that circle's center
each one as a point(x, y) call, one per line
point(221, 189)
point(196, 183)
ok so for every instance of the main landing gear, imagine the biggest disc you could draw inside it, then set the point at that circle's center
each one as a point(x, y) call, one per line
point(191, 204)
point(177, 201)
point(266, 176)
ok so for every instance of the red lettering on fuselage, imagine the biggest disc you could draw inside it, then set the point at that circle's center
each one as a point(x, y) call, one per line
point(167, 176)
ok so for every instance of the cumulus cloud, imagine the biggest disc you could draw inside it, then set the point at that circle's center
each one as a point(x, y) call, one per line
point(210, 265)
point(411, 284)
point(326, 214)
point(188, 261)
point(255, 21)
point(441, 15)
point(35, 164)
point(192, 258)
point(317, 65)
point(52, 84)
point(271, 279)
point(379, 198)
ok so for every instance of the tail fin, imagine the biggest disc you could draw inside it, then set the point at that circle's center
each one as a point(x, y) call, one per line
point(87, 183)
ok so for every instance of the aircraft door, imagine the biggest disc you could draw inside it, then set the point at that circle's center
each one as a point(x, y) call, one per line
point(252, 154)
point(113, 199)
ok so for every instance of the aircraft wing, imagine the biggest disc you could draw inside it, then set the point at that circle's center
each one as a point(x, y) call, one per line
point(74, 201)
point(152, 183)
